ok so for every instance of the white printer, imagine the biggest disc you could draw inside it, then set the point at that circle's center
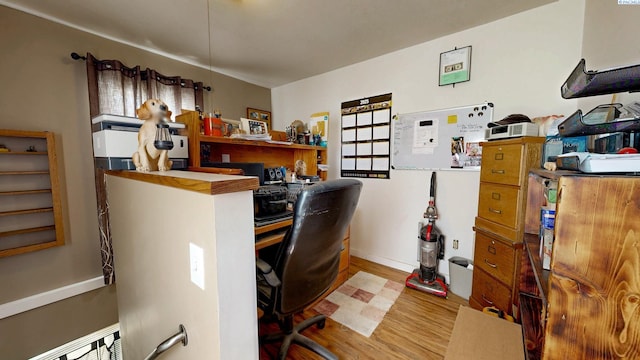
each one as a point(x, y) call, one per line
point(115, 139)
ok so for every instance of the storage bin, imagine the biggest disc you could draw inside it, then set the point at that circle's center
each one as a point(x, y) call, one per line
point(461, 276)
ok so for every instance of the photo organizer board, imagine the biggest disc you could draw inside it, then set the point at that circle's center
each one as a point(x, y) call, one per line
point(440, 139)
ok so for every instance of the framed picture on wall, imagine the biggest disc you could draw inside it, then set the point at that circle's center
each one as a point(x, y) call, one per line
point(455, 66)
point(262, 115)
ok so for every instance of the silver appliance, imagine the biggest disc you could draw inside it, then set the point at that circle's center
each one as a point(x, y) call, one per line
point(511, 130)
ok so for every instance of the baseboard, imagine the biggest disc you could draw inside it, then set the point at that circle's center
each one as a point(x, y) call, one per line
point(383, 261)
point(48, 297)
point(392, 263)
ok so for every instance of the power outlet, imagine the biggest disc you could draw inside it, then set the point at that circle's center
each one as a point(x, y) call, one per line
point(196, 265)
point(455, 244)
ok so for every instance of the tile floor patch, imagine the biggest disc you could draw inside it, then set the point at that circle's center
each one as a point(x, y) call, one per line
point(394, 286)
point(363, 295)
point(327, 307)
point(361, 302)
point(373, 313)
point(347, 289)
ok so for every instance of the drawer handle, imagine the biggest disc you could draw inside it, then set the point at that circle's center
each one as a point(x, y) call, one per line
point(495, 211)
point(494, 171)
point(490, 264)
point(487, 300)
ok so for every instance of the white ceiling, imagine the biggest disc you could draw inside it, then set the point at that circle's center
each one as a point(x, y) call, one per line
point(273, 42)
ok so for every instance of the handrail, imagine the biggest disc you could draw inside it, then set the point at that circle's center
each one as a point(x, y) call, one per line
point(181, 336)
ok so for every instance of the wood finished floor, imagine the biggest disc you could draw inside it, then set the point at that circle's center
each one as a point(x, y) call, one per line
point(417, 326)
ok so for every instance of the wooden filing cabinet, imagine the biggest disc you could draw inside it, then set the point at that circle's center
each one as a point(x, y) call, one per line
point(499, 225)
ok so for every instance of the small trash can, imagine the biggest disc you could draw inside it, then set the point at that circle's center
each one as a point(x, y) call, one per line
point(461, 275)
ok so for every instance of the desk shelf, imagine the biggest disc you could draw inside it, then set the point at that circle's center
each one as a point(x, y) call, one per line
point(204, 148)
point(24, 192)
point(541, 276)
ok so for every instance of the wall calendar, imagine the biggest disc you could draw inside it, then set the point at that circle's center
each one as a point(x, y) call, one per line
point(365, 133)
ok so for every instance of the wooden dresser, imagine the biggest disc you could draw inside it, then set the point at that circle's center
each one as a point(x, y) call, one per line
point(499, 225)
point(587, 306)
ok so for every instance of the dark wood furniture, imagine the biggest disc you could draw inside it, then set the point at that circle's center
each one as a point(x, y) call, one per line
point(499, 225)
point(588, 305)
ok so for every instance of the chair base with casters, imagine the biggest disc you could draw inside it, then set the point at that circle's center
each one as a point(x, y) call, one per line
point(291, 334)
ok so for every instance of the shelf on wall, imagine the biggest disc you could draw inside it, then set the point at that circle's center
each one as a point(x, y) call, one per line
point(24, 230)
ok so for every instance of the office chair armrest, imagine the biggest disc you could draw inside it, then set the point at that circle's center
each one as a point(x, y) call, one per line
point(267, 272)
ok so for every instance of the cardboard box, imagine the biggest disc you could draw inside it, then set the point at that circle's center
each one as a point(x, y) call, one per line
point(471, 340)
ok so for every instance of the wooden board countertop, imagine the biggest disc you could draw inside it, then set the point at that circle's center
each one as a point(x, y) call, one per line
point(205, 183)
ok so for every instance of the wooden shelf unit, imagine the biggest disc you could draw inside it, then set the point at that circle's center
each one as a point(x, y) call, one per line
point(30, 189)
point(587, 306)
point(272, 155)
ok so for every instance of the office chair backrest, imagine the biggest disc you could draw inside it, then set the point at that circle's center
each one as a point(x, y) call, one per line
point(310, 255)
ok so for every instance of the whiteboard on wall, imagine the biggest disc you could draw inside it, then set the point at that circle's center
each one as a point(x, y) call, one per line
point(440, 139)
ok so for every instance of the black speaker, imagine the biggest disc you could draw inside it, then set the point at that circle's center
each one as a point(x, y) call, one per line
point(273, 174)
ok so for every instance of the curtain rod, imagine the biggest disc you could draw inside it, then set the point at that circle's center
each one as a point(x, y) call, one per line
point(76, 56)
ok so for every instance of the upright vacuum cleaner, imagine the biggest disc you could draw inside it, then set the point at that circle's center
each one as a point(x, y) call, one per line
point(431, 249)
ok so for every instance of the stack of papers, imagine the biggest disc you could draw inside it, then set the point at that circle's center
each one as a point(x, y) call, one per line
point(257, 137)
point(604, 163)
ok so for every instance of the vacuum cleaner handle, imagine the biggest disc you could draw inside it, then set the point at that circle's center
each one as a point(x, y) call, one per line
point(432, 189)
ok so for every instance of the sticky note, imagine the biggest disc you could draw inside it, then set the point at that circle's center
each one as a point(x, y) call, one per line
point(452, 119)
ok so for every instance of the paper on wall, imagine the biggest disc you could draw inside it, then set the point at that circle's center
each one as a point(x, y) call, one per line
point(425, 136)
point(319, 124)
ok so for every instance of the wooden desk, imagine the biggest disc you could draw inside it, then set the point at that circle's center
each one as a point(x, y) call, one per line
point(271, 234)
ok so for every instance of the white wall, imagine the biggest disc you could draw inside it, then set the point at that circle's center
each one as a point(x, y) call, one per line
point(518, 63)
point(152, 253)
point(609, 44)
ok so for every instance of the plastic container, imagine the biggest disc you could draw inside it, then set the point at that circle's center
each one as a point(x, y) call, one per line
point(461, 276)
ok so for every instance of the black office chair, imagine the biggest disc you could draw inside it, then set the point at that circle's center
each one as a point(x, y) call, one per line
point(306, 263)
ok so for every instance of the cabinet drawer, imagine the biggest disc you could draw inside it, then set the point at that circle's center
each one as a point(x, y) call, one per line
point(498, 203)
point(494, 257)
point(489, 292)
point(501, 164)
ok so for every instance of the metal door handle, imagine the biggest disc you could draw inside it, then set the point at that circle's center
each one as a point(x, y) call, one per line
point(493, 171)
point(495, 211)
point(487, 300)
point(180, 337)
point(490, 264)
